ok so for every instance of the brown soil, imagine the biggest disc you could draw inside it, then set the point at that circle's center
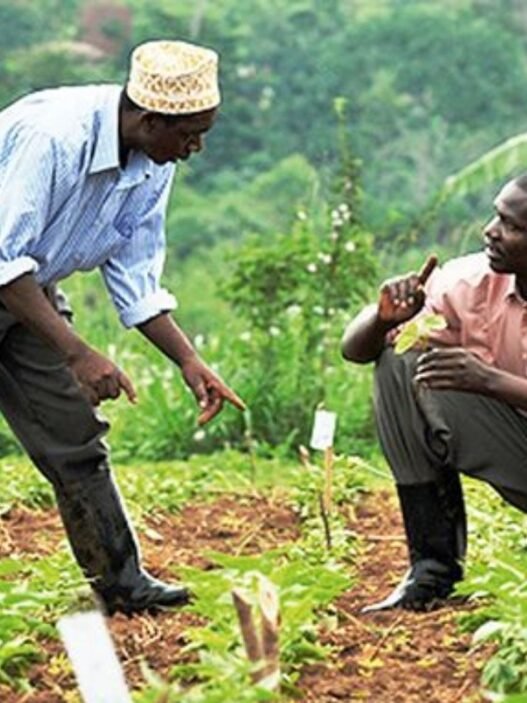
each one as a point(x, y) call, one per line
point(392, 656)
point(386, 657)
point(235, 525)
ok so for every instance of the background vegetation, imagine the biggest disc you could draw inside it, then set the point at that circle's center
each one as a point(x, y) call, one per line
point(347, 104)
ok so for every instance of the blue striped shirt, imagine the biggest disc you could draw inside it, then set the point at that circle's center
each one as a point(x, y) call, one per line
point(66, 205)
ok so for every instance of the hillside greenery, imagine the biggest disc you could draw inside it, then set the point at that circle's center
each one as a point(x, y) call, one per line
point(340, 121)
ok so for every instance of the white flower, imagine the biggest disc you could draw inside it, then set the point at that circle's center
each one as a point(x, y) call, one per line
point(199, 341)
point(318, 310)
point(334, 235)
point(274, 331)
point(245, 336)
point(294, 310)
point(340, 215)
point(301, 215)
point(199, 435)
point(311, 268)
point(266, 98)
point(350, 246)
point(246, 71)
point(325, 258)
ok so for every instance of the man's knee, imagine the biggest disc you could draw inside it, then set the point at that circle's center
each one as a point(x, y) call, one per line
point(391, 367)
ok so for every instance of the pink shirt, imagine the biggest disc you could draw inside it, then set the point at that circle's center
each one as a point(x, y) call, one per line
point(484, 312)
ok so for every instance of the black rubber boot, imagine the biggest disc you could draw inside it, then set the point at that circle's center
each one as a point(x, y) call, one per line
point(435, 523)
point(105, 548)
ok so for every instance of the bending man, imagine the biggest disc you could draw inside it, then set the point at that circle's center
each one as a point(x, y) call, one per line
point(85, 176)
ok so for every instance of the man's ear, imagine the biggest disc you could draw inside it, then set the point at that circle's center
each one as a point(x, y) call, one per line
point(149, 121)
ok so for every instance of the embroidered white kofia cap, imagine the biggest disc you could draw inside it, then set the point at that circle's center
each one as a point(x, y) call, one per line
point(174, 77)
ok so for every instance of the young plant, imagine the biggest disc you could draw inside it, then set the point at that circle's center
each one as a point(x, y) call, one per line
point(415, 333)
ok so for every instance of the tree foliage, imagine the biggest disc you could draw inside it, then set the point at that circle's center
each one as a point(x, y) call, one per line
point(430, 86)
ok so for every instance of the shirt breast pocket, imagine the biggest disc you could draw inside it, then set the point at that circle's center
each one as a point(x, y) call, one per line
point(125, 225)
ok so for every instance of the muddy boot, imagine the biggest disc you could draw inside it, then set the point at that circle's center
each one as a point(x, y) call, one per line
point(435, 523)
point(105, 548)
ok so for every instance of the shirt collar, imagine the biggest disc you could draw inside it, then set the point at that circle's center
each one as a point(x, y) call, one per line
point(511, 291)
point(106, 153)
point(138, 169)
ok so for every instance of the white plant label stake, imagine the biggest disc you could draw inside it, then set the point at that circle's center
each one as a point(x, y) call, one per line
point(322, 438)
point(323, 429)
point(92, 654)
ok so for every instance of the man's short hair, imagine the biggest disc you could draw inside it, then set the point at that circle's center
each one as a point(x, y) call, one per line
point(521, 182)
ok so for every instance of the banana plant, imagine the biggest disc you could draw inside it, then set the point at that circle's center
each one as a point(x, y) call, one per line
point(496, 164)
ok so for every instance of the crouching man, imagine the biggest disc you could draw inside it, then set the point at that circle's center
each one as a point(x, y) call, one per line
point(461, 404)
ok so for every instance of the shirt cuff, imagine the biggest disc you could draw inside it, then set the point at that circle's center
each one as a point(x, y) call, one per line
point(11, 270)
point(145, 309)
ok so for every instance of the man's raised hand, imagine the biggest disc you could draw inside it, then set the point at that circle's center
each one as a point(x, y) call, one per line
point(401, 298)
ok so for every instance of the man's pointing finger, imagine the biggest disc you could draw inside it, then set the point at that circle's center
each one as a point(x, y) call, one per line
point(428, 267)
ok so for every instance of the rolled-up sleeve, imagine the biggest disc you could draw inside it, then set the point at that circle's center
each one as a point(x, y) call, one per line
point(30, 167)
point(133, 274)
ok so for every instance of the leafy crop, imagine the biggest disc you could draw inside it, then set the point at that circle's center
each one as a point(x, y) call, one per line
point(304, 588)
point(416, 332)
point(35, 592)
point(498, 575)
point(32, 595)
point(308, 579)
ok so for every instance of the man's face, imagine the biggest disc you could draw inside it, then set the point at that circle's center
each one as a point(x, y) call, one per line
point(164, 140)
point(506, 234)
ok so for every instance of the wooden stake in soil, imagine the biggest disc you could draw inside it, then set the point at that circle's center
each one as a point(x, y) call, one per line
point(325, 522)
point(329, 460)
point(261, 643)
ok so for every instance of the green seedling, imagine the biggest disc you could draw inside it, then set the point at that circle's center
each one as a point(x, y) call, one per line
point(415, 333)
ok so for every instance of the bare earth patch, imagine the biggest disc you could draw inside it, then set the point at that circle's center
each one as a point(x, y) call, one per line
point(235, 525)
point(387, 657)
point(394, 656)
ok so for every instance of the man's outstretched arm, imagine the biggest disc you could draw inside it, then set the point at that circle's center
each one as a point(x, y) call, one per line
point(208, 388)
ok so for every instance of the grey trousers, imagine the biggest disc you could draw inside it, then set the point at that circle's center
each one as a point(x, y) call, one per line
point(424, 432)
point(43, 404)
